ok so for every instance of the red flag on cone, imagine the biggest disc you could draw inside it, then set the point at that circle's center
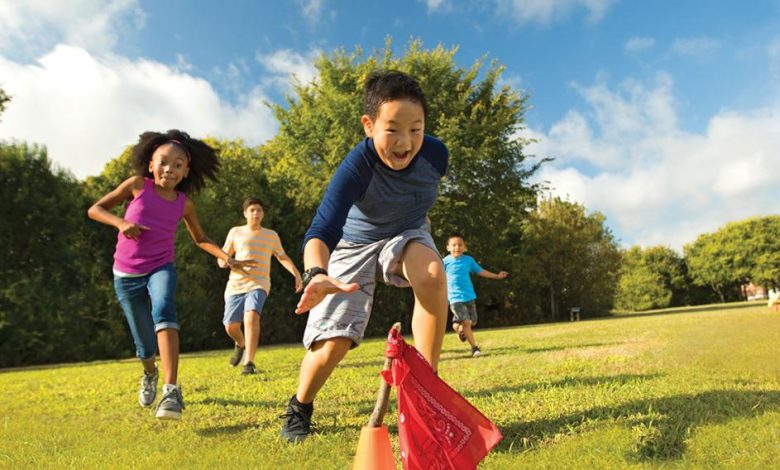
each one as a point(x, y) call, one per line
point(437, 428)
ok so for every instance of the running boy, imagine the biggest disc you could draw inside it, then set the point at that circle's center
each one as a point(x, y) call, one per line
point(247, 290)
point(460, 290)
point(372, 223)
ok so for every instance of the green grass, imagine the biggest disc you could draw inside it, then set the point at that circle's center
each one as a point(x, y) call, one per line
point(690, 389)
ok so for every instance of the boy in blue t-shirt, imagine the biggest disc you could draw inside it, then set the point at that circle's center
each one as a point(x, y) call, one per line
point(460, 291)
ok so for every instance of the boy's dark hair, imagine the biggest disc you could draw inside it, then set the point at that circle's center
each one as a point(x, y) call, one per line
point(456, 235)
point(389, 85)
point(203, 161)
point(252, 201)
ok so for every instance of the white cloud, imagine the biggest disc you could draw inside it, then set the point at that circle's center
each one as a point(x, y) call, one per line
point(30, 28)
point(438, 5)
point(86, 108)
point(699, 47)
point(285, 66)
point(638, 44)
point(546, 11)
point(628, 158)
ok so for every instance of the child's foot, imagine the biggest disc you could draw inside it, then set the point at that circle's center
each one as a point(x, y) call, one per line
point(475, 352)
point(461, 337)
point(249, 369)
point(148, 391)
point(171, 403)
point(297, 421)
point(238, 354)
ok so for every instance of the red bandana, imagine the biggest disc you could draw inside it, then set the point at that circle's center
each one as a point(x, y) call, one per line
point(437, 428)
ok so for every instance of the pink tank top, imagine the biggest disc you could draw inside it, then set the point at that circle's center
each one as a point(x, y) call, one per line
point(154, 247)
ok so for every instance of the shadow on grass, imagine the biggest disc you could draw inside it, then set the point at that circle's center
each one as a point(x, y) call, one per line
point(661, 427)
point(621, 379)
point(503, 350)
point(233, 402)
point(216, 431)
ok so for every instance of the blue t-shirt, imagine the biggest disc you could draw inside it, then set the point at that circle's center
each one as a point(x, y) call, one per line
point(367, 201)
point(459, 271)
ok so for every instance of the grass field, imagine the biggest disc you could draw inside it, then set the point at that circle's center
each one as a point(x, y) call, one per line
point(684, 388)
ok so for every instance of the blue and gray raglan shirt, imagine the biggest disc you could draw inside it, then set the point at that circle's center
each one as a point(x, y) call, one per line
point(367, 201)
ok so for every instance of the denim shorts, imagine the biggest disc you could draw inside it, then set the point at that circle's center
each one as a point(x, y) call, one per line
point(237, 304)
point(148, 305)
point(345, 315)
point(464, 311)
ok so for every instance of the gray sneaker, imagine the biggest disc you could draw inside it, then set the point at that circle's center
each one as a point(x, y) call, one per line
point(171, 403)
point(148, 391)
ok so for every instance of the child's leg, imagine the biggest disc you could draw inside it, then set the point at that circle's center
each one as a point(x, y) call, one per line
point(234, 331)
point(253, 306)
point(468, 332)
point(318, 364)
point(168, 340)
point(133, 296)
point(424, 270)
point(252, 330)
point(162, 289)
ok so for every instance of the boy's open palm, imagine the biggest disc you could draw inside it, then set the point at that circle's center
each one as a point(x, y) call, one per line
point(318, 288)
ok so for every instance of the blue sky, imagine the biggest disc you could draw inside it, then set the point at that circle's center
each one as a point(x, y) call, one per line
point(663, 115)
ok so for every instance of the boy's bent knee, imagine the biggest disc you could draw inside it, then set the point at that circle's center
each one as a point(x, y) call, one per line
point(332, 346)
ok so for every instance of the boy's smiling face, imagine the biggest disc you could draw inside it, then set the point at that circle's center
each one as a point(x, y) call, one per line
point(397, 131)
point(456, 246)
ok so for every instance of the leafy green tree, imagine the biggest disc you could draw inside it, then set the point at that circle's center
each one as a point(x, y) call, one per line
point(4, 99)
point(486, 194)
point(651, 278)
point(43, 317)
point(736, 254)
point(574, 257)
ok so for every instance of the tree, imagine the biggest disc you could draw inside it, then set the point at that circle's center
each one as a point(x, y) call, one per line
point(574, 257)
point(4, 99)
point(736, 254)
point(486, 194)
point(651, 278)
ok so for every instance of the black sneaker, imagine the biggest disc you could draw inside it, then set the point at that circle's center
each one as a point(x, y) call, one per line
point(249, 369)
point(297, 422)
point(461, 337)
point(238, 354)
point(475, 352)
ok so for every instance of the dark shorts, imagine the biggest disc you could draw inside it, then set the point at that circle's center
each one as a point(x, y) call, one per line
point(463, 311)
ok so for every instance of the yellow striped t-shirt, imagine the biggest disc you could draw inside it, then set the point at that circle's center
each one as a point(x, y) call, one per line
point(245, 243)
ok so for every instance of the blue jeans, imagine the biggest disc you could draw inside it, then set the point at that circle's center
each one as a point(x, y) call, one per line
point(148, 305)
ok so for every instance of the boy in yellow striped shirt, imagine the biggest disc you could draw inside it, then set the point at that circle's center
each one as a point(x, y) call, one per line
point(248, 288)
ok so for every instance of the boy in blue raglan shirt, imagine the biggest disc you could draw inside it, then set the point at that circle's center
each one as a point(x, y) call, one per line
point(371, 224)
point(460, 290)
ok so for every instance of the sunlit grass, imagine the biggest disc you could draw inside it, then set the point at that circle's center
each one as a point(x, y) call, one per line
point(690, 389)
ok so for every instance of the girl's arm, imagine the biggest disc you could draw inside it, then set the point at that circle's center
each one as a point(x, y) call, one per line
point(101, 210)
point(227, 248)
point(288, 264)
point(489, 275)
point(204, 242)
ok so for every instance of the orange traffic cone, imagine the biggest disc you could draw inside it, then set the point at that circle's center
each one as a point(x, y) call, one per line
point(374, 451)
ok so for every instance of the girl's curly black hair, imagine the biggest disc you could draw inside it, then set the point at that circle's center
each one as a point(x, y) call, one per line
point(204, 163)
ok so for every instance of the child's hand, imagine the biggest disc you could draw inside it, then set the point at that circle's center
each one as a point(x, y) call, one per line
point(242, 265)
point(320, 286)
point(131, 230)
point(298, 284)
point(503, 275)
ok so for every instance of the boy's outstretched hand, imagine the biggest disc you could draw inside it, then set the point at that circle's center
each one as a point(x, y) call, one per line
point(503, 275)
point(318, 288)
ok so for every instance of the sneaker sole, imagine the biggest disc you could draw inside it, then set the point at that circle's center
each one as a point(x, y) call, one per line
point(147, 405)
point(169, 415)
point(476, 354)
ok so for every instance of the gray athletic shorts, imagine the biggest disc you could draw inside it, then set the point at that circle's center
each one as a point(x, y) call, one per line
point(346, 315)
point(462, 311)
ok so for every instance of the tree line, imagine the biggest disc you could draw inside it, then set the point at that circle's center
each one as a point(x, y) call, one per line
point(57, 302)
